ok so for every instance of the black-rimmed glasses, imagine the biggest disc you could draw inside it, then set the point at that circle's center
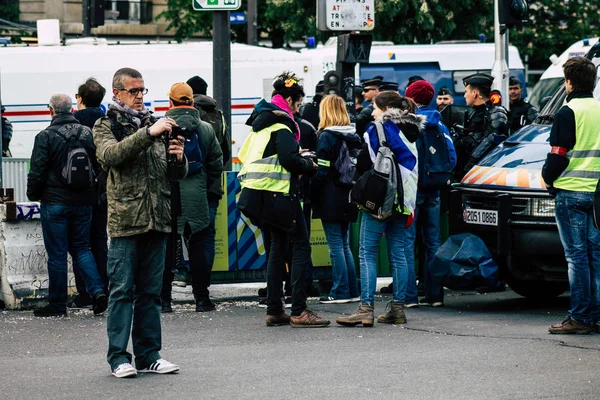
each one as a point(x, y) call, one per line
point(134, 91)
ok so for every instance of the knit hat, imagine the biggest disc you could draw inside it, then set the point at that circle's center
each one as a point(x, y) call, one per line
point(198, 85)
point(421, 92)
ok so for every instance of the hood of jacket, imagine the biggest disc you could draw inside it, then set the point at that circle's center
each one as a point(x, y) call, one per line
point(266, 114)
point(345, 133)
point(204, 101)
point(187, 117)
point(433, 116)
point(410, 124)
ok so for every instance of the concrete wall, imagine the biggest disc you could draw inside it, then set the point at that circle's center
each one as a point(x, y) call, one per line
point(23, 260)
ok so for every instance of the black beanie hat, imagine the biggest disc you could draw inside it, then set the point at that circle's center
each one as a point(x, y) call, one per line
point(198, 85)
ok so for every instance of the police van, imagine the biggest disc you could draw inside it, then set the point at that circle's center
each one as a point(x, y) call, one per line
point(504, 201)
point(440, 64)
point(552, 79)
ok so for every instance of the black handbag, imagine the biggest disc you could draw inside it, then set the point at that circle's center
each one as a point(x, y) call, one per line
point(596, 208)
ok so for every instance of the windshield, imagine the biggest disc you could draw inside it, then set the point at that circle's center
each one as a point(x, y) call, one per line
point(544, 88)
point(546, 116)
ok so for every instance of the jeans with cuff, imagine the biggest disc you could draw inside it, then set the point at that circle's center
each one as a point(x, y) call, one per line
point(66, 229)
point(581, 241)
point(135, 272)
point(371, 230)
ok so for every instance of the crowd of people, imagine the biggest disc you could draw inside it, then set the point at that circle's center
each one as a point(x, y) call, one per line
point(126, 174)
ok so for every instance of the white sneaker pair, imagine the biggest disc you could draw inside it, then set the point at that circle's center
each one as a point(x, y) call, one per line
point(160, 366)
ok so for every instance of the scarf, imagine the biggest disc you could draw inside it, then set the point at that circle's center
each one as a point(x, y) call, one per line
point(279, 102)
point(135, 116)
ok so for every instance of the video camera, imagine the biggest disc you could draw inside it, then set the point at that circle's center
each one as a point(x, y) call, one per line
point(454, 118)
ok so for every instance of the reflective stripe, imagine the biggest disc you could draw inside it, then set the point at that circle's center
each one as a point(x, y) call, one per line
point(269, 160)
point(324, 163)
point(584, 153)
point(581, 174)
point(280, 176)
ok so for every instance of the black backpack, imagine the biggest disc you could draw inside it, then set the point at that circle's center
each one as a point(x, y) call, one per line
point(214, 117)
point(76, 170)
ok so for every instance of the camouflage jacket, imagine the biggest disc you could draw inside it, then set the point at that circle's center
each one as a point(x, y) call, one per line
point(138, 189)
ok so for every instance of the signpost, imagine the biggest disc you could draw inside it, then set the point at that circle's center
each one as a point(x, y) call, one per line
point(353, 48)
point(346, 15)
point(216, 5)
point(221, 54)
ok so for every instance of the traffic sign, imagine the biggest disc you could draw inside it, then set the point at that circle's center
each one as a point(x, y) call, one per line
point(237, 18)
point(216, 5)
point(346, 15)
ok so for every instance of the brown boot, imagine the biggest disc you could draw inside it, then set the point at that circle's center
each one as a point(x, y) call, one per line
point(308, 319)
point(278, 320)
point(364, 315)
point(570, 326)
point(395, 315)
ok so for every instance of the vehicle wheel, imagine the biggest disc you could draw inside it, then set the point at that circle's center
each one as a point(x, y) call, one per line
point(538, 290)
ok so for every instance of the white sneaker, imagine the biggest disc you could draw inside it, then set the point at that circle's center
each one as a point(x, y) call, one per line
point(354, 299)
point(161, 366)
point(125, 370)
point(411, 305)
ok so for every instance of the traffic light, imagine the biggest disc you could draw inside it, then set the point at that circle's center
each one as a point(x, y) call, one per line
point(96, 13)
point(513, 13)
point(332, 83)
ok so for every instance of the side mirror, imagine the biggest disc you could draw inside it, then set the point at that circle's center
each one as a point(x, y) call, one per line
point(544, 101)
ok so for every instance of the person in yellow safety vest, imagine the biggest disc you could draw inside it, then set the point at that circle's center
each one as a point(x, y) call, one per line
point(272, 164)
point(571, 172)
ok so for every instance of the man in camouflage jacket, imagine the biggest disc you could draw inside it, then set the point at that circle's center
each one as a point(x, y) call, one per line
point(131, 147)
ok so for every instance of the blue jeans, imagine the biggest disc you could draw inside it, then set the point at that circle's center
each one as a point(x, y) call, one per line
point(371, 230)
point(67, 229)
point(581, 241)
point(135, 271)
point(343, 270)
point(427, 223)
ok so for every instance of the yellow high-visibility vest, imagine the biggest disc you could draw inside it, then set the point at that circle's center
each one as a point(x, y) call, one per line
point(262, 173)
point(583, 172)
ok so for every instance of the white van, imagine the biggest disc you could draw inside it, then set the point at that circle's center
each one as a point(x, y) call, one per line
point(553, 78)
point(30, 75)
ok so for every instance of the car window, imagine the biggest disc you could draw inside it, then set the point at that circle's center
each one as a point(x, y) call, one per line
point(544, 88)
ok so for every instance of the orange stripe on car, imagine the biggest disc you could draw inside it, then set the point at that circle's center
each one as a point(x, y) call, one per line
point(523, 178)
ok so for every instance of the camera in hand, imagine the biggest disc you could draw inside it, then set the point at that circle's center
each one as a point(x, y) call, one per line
point(311, 155)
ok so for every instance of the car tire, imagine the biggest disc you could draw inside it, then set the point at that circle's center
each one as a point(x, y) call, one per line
point(538, 290)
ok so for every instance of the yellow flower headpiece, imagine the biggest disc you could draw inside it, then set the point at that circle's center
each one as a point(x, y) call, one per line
point(290, 82)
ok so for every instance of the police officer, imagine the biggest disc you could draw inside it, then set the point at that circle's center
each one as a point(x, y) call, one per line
point(521, 112)
point(485, 125)
point(370, 91)
point(444, 98)
point(574, 180)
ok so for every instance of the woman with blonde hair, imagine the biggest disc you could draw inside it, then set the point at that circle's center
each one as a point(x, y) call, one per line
point(337, 148)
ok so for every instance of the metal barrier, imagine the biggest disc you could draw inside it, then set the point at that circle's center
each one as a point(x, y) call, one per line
point(14, 175)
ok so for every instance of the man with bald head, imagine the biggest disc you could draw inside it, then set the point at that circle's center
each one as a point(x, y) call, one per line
point(61, 178)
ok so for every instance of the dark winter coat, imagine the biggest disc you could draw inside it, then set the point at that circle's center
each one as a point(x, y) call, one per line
point(331, 200)
point(44, 182)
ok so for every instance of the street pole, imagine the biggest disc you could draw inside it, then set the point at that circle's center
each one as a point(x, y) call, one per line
point(85, 17)
point(222, 68)
point(252, 25)
point(500, 69)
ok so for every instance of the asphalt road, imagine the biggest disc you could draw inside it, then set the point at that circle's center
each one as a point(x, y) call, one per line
point(492, 346)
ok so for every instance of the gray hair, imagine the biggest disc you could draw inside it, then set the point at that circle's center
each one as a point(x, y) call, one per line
point(119, 77)
point(61, 103)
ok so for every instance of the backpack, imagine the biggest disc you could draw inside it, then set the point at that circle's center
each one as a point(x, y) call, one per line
point(380, 189)
point(193, 152)
point(435, 166)
point(345, 165)
point(76, 170)
point(214, 117)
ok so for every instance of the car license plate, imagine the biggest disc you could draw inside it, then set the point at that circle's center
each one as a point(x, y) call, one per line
point(480, 217)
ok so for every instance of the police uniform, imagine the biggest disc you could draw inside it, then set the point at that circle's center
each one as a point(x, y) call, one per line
point(521, 112)
point(485, 127)
point(389, 87)
point(365, 117)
